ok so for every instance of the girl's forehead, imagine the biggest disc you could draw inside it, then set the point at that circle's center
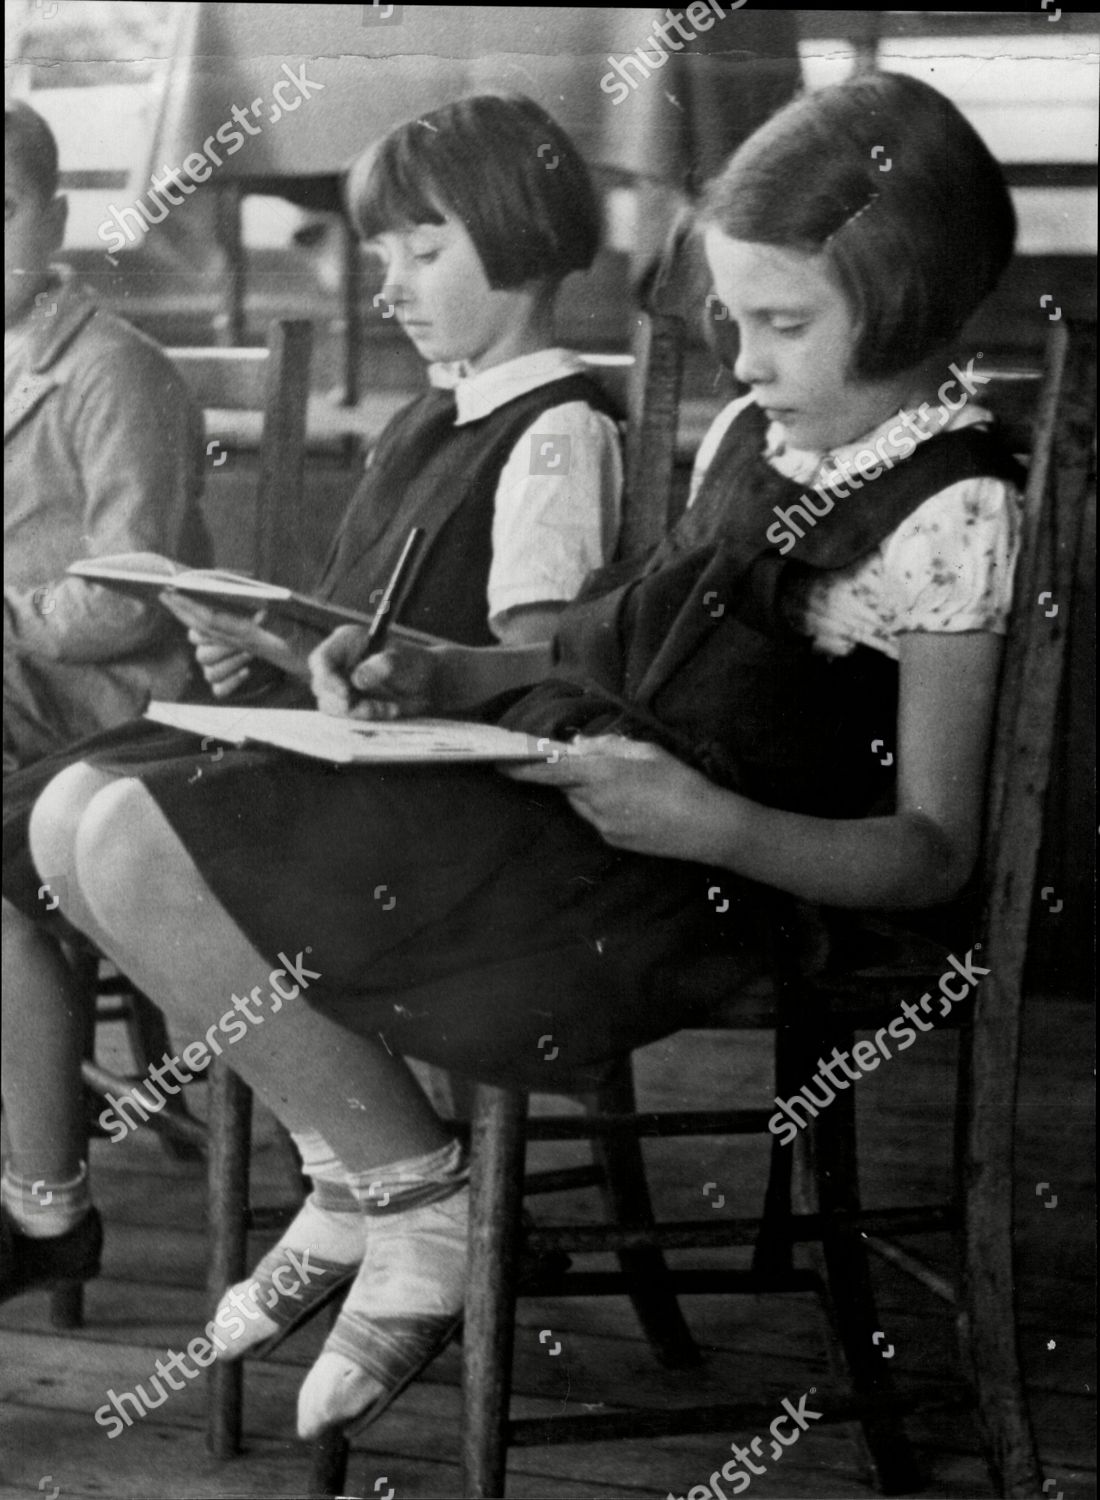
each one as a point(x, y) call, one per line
point(409, 228)
point(764, 272)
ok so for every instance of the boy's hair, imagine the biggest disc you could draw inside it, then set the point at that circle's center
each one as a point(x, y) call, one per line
point(500, 165)
point(886, 177)
point(33, 147)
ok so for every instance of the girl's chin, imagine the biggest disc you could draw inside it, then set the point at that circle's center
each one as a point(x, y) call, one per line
point(810, 437)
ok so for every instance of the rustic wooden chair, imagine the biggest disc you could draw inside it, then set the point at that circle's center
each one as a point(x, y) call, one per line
point(808, 1011)
point(252, 398)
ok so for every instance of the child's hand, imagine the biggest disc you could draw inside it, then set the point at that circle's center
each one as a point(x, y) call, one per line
point(636, 795)
point(225, 643)
point(396, 683)
point(225, 668)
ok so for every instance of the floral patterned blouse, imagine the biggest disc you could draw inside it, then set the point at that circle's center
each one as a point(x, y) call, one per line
point(947, 567)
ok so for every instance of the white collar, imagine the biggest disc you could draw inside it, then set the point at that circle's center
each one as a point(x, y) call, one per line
point(485, 391)
point(805, 465)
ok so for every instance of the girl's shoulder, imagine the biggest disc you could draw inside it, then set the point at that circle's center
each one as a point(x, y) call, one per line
point(948, 567)
point(956, 552)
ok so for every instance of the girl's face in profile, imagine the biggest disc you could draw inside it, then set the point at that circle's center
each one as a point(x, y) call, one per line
point(797, 339)
point(436, 281)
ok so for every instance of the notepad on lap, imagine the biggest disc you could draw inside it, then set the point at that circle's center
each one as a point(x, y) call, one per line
point(351, 741)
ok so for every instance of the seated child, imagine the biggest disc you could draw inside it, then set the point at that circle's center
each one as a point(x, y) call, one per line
point(708, 743)
point(510, 464)
point(102, 453)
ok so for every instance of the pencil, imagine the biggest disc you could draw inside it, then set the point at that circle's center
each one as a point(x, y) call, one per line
point(380, 624)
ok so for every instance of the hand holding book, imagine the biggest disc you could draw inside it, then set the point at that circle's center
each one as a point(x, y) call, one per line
point(227, 644)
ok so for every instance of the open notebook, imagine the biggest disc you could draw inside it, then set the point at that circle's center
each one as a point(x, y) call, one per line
point(148, 573)
point(351, 741)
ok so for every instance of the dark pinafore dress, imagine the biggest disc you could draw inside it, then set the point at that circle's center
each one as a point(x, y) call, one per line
point(504, 916)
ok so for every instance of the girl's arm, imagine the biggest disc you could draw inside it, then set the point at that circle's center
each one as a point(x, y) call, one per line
point(643, 799)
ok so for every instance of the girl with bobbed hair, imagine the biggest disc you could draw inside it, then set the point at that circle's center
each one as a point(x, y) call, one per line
point(477, 212)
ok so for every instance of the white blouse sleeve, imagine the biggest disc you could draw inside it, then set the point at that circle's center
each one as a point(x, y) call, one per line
point(947, 568)
point(949, 565)
point(557, 509)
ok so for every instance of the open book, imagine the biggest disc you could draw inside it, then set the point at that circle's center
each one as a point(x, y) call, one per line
point(353, 741)
point(148, 573)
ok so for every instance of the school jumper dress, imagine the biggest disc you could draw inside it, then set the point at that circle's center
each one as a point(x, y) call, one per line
point(464, 916)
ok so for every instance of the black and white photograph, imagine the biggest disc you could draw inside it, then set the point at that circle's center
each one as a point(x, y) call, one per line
point(549, 752)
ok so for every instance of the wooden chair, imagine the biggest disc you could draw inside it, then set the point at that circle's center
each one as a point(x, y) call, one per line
point(258, 397)
point(809, 1011)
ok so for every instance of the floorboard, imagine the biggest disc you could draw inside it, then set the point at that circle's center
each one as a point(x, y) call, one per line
point(151, 1299)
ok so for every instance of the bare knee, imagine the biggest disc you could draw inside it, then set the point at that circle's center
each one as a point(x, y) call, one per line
point(57, 814)
point(132, 870)
point(113, 851)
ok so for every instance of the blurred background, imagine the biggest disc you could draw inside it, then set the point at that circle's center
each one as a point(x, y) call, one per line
point(131, 88)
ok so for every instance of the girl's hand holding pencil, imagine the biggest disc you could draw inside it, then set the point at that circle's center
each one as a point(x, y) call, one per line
point(396, 683)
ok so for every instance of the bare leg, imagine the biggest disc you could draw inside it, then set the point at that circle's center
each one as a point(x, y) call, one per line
point(44, 1024)
point(153, 913)
point(41, 1056)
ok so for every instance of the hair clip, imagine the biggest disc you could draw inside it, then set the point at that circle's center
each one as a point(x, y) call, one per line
point(852, 218)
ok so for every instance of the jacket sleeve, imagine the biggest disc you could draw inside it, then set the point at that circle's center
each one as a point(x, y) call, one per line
point(136, 440)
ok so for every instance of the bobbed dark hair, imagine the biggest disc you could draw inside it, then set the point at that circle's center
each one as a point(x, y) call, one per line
point(503, 167)
point(884, 176)
point(33, 147)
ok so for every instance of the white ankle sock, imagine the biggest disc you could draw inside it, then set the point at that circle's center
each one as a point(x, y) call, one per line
point(43, 1209)
point(401, 1185)
point(410, 1288)
point(321, 1164)
point(328, 1236)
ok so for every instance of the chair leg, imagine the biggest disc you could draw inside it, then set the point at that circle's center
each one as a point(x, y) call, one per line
point(987, 1317)
point(625, 1191)
point(328, 1465)
point(496, 1197)
point(67, 1301)
point(329, 1454)
point(230, 1145)
point(67, 1306)
point(834, 1168)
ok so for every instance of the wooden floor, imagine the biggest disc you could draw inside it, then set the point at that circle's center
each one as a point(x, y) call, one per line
point(150, 1299)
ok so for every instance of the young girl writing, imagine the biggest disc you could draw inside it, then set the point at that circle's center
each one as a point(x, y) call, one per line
point(509, 463)
point(724, 702)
